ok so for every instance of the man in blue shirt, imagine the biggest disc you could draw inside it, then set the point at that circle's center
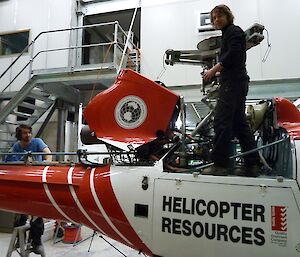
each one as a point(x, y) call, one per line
point(28, 144)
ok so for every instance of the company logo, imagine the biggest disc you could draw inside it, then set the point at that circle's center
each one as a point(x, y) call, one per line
point(210, 219)
point(279, 218)
point(130, 112)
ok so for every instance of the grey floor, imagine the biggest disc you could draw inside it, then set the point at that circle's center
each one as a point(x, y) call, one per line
point(99, 248)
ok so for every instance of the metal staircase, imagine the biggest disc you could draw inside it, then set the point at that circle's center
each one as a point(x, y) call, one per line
point(26, 107)
point(46, 85)
point(134, 60)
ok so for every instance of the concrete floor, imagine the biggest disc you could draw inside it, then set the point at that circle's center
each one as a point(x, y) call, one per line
point(99, 247)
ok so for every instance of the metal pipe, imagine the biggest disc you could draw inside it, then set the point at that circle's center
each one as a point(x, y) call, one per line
point(31, 59)
point(242, 154)
point(25, 49)
point(124, 32)
point(258, 148)
point(116, 42)
point(137, 60)
point(15, 77)
point(76, 28)
point(73, 47)
point(79, 127)
point(71, 53)
point(68, 153)
point(182, 117)
point(133, 152)
point(60, 127)
point(201, 124)
point(195, 111)
point(45, 123)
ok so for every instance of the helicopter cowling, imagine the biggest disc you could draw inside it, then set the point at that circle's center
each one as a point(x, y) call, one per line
point(288, 117)
point(132, 110)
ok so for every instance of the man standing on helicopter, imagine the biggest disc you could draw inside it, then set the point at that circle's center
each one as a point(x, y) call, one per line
point(230, 119)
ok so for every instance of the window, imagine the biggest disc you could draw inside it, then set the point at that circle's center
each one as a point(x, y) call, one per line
point(14, 42)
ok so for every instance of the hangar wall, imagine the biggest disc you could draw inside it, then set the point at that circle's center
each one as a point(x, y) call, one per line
point(173, 24)
point(164, 24)
point(37, 16)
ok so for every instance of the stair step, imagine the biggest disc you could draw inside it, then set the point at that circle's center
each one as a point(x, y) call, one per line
point(17, 123)
point(3, 150)
point(32, 106)
point(8, 140)
point(40, 92)
point(6, 132)
point(40, 97)
point(22, 114)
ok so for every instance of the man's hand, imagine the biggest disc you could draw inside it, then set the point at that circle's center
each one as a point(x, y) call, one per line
point(208, 75)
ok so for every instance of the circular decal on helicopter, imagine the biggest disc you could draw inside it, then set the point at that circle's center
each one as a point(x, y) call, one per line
point(130, 112)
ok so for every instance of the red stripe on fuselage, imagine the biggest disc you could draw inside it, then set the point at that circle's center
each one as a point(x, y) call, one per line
point(91, 208)
point(57, 183)
point(113, 209)
point(21, 190)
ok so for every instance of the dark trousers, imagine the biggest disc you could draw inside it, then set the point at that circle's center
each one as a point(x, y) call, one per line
point(36, 228)
point(230, 121)
point(36, 231)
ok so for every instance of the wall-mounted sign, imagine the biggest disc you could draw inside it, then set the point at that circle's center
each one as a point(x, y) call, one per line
point(204, 22)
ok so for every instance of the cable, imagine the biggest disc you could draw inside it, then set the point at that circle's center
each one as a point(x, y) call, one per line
point(163, 69)
point(269, 47)
point(112, 245)
point(99, 73)
point(128, 38)
point(95, 233)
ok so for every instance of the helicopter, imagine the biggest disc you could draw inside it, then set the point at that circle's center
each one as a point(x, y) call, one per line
point(159, 212)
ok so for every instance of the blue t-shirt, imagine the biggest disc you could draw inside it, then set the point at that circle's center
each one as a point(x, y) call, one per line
point(35, 145)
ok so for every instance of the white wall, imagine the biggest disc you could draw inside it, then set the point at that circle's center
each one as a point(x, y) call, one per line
point(38, 16)
point(110, 6)
point(173, 24)
point(164, 24)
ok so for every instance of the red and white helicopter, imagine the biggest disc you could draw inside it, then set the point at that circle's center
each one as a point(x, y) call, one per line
point(161, 213)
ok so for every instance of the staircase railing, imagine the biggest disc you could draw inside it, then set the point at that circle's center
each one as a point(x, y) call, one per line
point(114, 45)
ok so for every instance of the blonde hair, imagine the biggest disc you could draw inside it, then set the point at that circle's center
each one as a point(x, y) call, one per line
point(222, 9)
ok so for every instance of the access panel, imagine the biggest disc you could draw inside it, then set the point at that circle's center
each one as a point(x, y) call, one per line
point(195, 219)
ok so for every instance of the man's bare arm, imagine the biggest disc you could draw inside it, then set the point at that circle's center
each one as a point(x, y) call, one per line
point(47, 158)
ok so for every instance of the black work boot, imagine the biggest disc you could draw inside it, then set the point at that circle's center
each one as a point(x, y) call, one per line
point(215, 170)
point(250, 171)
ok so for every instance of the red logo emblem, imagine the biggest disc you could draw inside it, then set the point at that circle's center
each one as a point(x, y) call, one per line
point(279, 218)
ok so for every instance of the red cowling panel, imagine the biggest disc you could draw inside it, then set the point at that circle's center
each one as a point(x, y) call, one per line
point(288, 117)
point(131, 110)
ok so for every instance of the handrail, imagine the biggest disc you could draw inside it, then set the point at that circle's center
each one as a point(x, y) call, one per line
point(53, 50)
point(52, 31)
point(66, 153)
point(242, 154)
point(126, 34)
point(25, 49)
point(33, 57)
